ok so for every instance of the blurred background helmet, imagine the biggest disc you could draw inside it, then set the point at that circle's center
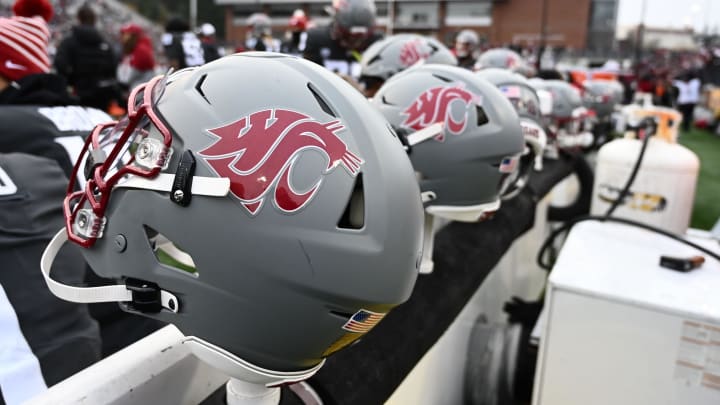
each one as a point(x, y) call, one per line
point(259, 24)
point(353, 22)
point(396, 53)
point(527, 104)
point(602, 96)
point(466, 43)
point(316, 240)
point(464, 170)
point(503, 58)
point(570, 123)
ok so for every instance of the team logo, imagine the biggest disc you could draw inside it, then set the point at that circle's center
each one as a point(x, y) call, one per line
point(412, 52)
point(257, 153)
point(433, 106)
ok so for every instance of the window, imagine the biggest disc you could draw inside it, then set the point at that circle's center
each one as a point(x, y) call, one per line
point(417, 15)
point(474, 13)
point(602, 16)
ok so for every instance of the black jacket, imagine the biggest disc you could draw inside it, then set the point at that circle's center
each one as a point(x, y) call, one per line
point(89, 64)
point(39, 89)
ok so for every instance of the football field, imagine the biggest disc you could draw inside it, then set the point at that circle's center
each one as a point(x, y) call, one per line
point(707, 199)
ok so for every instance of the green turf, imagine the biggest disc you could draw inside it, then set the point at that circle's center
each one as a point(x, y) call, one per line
point(707, 197)
point(164, 258)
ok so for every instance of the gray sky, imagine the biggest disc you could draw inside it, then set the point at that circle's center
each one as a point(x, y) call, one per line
point(671, 13)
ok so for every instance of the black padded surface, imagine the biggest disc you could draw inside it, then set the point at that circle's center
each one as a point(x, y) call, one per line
point(465, 253)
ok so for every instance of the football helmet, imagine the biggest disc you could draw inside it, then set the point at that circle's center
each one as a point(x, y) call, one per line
point(570, 122)
point(464, 170)
point(503, 58)
point(526, 102)
point(274, 222)
point(353, 22)
point(466, 43)
point(398, 52)
point(602, 96)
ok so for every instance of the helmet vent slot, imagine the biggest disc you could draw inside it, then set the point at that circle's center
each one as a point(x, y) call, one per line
point(170, 254)
point(384, 100)
point(344, 315)
point(443, 78)
point(323, 104)
point(354, 215)
point(482, 118)
point(198, 88)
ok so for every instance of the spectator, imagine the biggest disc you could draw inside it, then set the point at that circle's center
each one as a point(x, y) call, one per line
point(138, 63)
point(260, 34)
point(211, 50)
point(295, 44)
point(688, 86)
point(339, 45)
point(43, 340)
point(24, 62)
point(88, 62)
point(182, 47)
point(467, 43)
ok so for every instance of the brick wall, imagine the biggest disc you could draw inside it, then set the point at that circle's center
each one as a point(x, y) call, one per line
point(519, 21)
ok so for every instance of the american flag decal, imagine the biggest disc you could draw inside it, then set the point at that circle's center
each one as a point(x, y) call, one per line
point(511, 91)
point(508, 165)
point(362, 321)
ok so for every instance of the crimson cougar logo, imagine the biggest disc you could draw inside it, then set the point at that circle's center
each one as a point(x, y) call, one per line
point(434, 106)
point(257, 153)
point(412, 52)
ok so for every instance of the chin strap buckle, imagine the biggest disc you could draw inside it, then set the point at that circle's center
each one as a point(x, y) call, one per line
point(146, 296)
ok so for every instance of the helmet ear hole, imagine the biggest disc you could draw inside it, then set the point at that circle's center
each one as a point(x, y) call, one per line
point(482, 118)
point(354, 215)
point(170, 254)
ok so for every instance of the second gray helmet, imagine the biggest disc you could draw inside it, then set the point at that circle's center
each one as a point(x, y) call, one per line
point(464, 170)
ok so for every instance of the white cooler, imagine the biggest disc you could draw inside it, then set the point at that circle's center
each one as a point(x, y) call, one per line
point(619, 329)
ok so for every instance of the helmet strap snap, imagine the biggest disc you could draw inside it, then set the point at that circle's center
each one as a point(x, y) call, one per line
point(181, 192)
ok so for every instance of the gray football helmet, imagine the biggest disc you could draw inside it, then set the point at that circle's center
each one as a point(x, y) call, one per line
point(602, 96)
point(353, 22)
point(570, 122)
point(464, 170)
point(503, 58)
point(275, 221)
point(398, 52)
point(527, 104)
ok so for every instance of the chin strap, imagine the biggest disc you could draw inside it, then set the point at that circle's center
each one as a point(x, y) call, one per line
point(426, 263)
point(139, 295)
point(207, 186)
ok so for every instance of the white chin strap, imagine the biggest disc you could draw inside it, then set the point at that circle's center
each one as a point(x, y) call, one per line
point(207, 186)
point(426, 263)
point(426, 133)
point(471, 213)
point(88, 295)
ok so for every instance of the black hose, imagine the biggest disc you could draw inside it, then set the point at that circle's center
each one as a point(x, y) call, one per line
point(581, 205)
point(633, 174)
point(565, 227)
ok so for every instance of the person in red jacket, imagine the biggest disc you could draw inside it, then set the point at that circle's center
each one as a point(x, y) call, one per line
point(138, 63)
